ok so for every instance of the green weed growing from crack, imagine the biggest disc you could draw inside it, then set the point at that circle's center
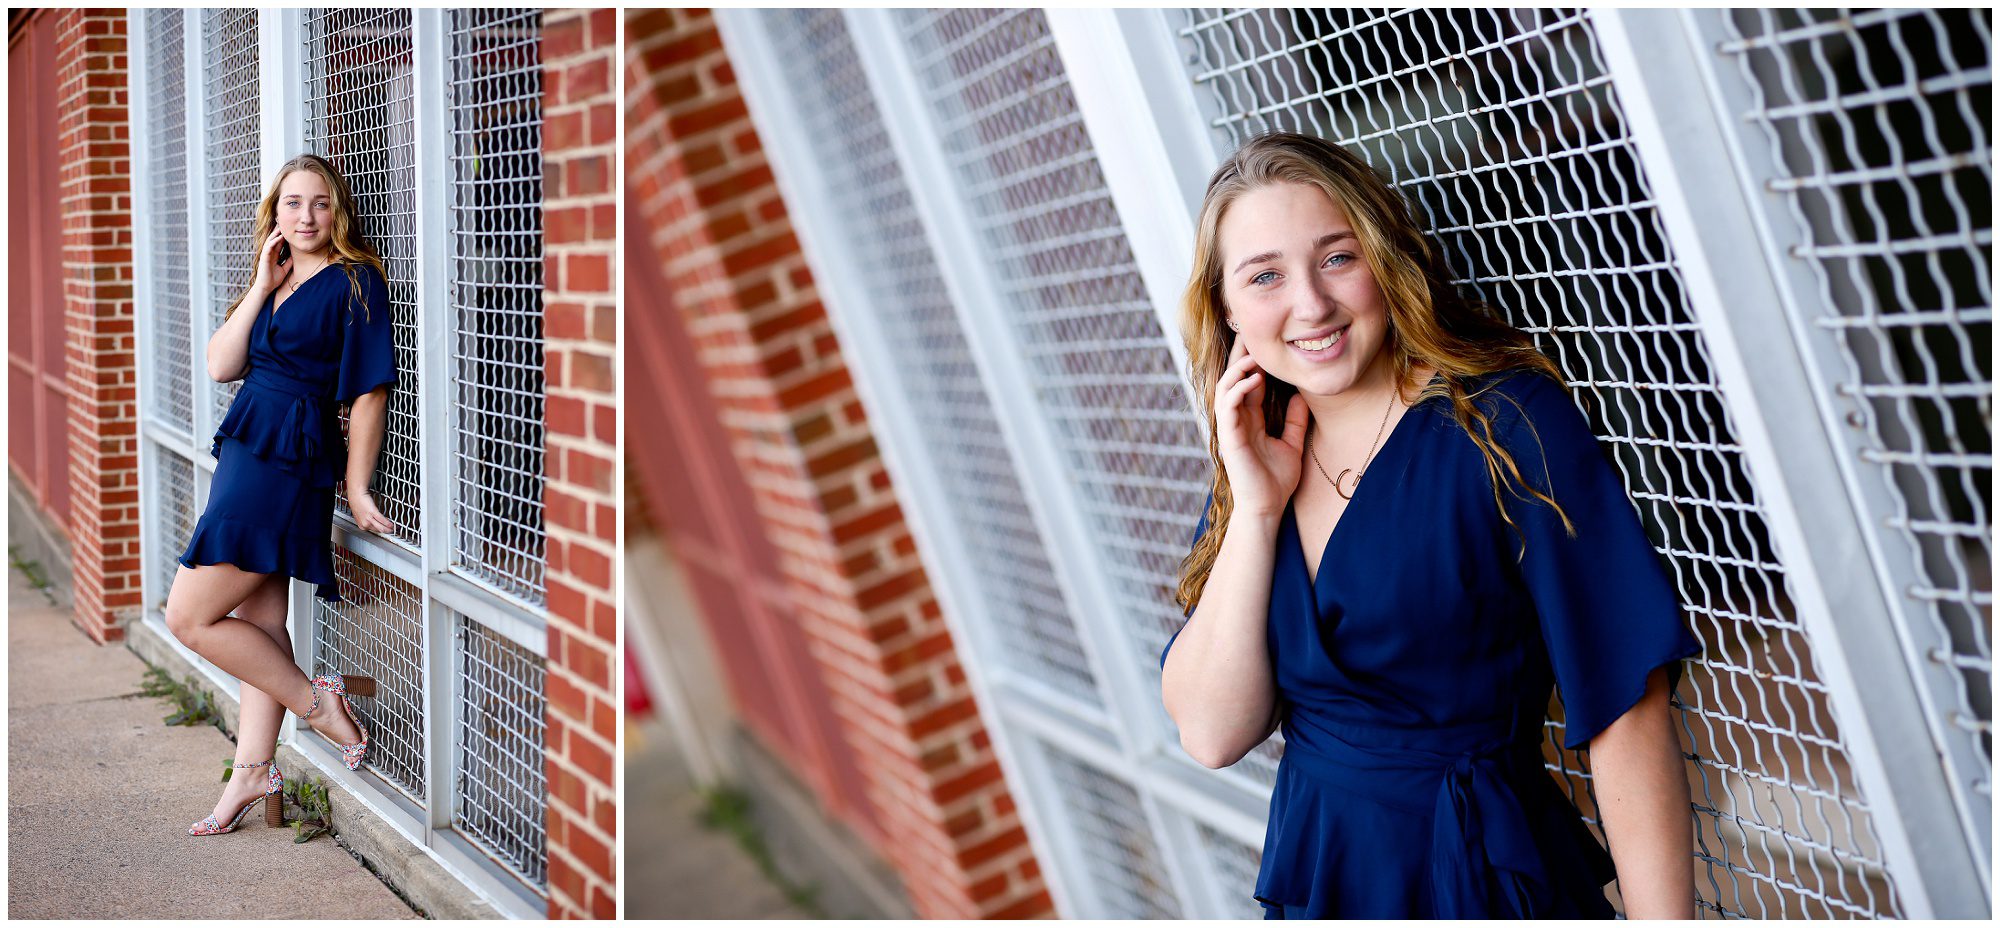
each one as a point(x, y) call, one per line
point(33, 571)
point(727, 809)
point(194, 706)
point(314, 803)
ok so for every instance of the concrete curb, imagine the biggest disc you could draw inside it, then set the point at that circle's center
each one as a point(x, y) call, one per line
point(422, 882)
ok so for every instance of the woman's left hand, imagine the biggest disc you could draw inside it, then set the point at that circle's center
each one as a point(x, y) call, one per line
point(367, 516)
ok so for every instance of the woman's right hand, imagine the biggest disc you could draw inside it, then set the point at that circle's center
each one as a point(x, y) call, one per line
point(1263, 471)
point(270, 273)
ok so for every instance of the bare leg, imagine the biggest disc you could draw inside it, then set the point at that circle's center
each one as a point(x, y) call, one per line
point(197, 614)
point(259, 716)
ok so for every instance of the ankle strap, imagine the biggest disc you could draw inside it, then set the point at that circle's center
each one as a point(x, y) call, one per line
point(261, 763)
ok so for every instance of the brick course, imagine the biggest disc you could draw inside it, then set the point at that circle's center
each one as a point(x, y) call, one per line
point(780, 387)
point(102, 377)
point(581, 493)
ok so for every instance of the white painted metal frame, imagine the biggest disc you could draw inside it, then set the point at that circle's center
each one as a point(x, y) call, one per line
point(445, 595)
point(1056, 502)
point(906, 458)
point(1717, 212)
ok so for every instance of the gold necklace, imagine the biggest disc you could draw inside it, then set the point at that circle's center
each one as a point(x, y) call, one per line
point(301, 280)
point(1349, 494)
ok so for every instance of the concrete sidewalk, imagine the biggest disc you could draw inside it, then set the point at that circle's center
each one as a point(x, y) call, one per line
point(100, 794)
point(679, 869)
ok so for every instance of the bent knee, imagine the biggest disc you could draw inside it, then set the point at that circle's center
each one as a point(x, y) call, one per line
point(181, 622)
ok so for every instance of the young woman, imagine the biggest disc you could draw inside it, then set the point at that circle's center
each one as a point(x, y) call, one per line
point(1421, 540)
point(312, 331)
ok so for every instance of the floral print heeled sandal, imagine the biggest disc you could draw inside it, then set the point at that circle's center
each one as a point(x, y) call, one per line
point(272, 797)
point(343, 685)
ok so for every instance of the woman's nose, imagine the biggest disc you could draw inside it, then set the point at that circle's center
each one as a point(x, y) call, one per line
point(1312, 302)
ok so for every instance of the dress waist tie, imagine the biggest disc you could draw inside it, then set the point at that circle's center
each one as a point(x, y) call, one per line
point(1484, 862)
point(306, 419)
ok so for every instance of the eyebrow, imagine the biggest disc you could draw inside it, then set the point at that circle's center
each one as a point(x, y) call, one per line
point(1318, 243)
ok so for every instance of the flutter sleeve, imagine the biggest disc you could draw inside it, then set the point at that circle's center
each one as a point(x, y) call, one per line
point(1608, 613)
point(1200, 526)
point(368, 342)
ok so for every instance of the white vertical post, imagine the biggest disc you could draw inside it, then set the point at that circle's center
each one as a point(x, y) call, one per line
point(1056, 503)
point(912, 469)
point(1683, 131)
point(145, 305)
point(1146, 129)
point(201, 294)
point(281, 83)
point(432, 157)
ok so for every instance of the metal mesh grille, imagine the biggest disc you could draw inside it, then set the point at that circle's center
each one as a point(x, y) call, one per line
point(1879, 124)
point(1236, 864)
point(937, 376)
point(378, 631)
point(359, 115)
point(176, 516)
point(496, 224)
point(1502, 127)
point(172, 396)
point(234, 123)
point(1093, 345)
point(1109, 825)
point(502, 796)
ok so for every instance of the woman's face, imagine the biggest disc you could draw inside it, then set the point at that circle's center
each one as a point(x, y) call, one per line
point(305, 212)
point(1305, 303)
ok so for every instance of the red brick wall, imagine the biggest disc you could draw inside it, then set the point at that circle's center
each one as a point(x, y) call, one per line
point(580, 158)
point(857, 590)
point(102, 374)
point(37, 388)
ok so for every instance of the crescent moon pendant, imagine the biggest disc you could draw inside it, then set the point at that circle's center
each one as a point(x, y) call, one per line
point(1349, 492)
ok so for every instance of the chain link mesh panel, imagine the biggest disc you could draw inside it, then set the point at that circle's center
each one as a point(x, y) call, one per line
point(175, 515)
point(360, 116)
point(1108, 824)
point(495, 86)
point(1236, 864)
point(1879, 124)
point(378, 631)
point(988, 511)
point(172, 396)
point(502, 796)
point(1502, 128)
point(235, 124)
point(1092, 343)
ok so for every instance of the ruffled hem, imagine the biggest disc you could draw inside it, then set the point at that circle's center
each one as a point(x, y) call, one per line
point(289, 432)
point(262, 551)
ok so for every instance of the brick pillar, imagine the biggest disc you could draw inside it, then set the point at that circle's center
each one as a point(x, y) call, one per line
point(94, 147)
point(785, 398)
point(580, 234)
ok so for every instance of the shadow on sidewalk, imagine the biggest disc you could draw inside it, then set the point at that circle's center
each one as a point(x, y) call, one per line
point(100, 794)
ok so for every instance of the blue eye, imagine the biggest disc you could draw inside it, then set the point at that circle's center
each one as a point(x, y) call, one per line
point(1260, 277)
point(1344, 259)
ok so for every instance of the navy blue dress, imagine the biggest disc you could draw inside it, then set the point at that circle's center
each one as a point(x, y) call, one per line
point(278, 449)
point(1415, 672)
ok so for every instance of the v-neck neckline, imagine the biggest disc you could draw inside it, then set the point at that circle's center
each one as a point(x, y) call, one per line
point(295, 291)
point(1382, 456)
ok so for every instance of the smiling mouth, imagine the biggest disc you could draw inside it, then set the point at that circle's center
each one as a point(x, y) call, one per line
point(1323, 343)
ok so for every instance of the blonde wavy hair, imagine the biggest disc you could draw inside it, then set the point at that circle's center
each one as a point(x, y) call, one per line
point(1430, 322)
point(348, 246)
